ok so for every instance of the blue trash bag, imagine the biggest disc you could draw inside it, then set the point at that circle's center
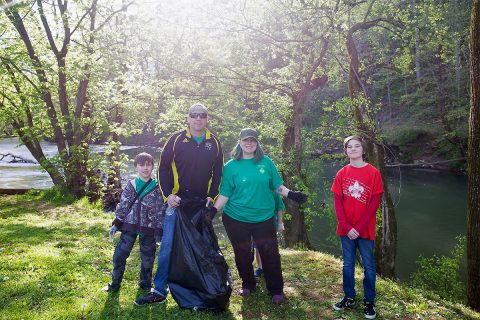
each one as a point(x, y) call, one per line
point(199, 277)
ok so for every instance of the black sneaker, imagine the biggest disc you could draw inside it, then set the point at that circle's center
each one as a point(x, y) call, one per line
point(152, 297)
point(345, 303)
point(369, 310)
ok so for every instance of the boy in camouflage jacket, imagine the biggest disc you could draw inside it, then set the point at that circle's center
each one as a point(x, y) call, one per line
point(137, 215)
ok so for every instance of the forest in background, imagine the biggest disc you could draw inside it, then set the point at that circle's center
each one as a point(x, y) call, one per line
point(135, 66)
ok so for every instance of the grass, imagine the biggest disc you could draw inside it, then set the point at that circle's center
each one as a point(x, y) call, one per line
point(55, 257)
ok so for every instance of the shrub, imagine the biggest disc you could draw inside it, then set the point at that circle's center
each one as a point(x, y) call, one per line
point(54, 195)
point(441, 274)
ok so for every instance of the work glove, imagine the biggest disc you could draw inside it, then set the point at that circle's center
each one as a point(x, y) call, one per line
point(209, 214)
point(112, 232)
point(297, 196)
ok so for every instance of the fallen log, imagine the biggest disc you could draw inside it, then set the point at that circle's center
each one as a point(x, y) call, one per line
point(14, 191)
point(15, 159)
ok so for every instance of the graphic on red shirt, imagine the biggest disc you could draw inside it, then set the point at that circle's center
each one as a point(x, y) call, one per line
point(356, 189)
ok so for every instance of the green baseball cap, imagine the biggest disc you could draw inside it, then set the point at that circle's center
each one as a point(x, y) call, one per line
point(248, 133)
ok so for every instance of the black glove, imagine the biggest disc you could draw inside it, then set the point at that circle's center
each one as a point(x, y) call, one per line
point(209, 214)
point(297, 196)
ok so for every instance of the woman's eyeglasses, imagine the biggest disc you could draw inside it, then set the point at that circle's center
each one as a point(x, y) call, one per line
point(196, 115)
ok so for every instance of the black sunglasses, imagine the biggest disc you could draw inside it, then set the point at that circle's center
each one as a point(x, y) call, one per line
point(196, 115)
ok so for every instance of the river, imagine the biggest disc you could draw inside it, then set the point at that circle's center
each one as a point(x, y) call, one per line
point(430, 206)
point(430, 209)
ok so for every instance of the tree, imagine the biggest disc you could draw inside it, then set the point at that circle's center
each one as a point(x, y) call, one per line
point(281, 50)
point(56, 68)
point(259, 63)
point(433, 34)
point(355, 23)
point(473, 163)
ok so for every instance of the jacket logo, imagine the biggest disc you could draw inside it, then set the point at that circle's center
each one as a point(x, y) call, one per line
point(208, 146)
point(185, 140)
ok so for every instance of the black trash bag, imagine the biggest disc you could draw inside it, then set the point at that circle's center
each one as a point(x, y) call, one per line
point(199, 277)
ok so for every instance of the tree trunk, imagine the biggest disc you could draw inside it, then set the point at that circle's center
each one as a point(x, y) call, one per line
point(295, 233)
point(441, 99)
point(473, 163)
point(31, 141)
point(458, 58)
point(17, 21)
point(441, 96)
point(418, 72)
point(386, 242)
point(114, 184)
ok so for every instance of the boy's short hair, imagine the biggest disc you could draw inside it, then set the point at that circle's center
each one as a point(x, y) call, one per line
point(359, 139)
point(142, 158)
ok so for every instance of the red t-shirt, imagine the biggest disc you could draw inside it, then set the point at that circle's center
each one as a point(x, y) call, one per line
point(356, 186)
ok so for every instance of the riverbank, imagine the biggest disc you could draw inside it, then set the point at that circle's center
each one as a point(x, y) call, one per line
point(55, 257)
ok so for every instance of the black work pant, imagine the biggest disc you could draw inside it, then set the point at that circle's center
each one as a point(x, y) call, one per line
point(265, 238)
point(122, 252)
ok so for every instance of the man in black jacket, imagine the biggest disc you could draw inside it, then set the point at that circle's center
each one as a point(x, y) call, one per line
point(190, 166)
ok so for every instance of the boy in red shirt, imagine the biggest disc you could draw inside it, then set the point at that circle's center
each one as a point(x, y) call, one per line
point(357, 192)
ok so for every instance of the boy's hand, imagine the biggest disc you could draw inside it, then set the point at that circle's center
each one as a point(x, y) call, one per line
point(112, 232)
point(353, 234)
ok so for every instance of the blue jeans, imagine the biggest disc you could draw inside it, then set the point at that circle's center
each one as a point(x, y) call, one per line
point(349, 248)
point(160, 285)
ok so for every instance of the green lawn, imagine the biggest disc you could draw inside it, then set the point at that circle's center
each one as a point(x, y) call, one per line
point(55, 258)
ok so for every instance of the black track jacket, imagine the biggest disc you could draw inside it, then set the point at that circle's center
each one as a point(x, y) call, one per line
point(188, 169)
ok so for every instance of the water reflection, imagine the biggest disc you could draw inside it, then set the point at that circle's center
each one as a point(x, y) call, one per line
point(27, 175)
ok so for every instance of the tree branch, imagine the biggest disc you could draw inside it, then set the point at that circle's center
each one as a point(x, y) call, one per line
point(122, 8)
point(43, 18)
point(319, 61)
point(80, 21)
point(368, 11)
point(66, 28)
point(8, 61)
point(17, 21)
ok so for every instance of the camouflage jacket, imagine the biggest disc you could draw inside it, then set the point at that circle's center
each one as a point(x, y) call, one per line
point(144, 215)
